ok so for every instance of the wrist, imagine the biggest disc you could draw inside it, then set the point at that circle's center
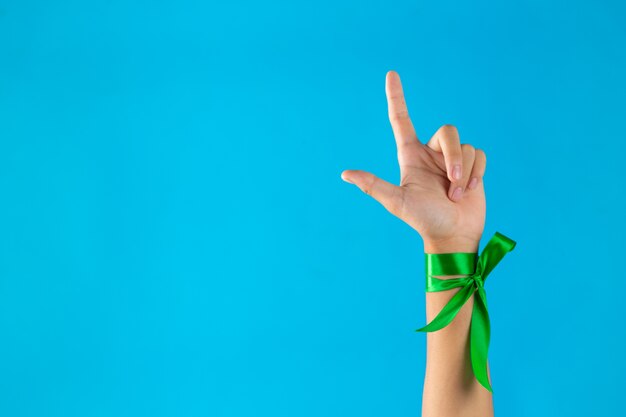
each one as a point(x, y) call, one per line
point(451, 245)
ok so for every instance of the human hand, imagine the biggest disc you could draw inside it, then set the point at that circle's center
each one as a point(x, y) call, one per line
point(441, 193)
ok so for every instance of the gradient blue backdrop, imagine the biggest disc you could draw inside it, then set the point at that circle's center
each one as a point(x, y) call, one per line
point(175, 238)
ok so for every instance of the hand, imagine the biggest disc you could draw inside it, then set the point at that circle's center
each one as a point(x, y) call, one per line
point(441, 193)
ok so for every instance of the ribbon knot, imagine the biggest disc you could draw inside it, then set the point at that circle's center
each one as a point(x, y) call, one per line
point(477, 268)
point(478, 280)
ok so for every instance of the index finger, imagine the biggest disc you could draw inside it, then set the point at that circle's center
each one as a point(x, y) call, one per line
point(398, 113)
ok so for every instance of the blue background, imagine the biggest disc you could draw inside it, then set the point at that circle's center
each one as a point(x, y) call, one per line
point(175, 238)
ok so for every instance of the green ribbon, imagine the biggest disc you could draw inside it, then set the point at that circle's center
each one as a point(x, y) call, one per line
point(477, 267)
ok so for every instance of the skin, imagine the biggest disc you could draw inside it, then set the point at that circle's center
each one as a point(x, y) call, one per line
point(441, 195)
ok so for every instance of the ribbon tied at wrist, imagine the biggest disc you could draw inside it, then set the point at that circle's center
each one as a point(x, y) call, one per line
point(477, 268)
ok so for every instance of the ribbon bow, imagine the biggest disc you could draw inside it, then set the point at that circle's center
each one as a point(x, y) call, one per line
point(477, 267)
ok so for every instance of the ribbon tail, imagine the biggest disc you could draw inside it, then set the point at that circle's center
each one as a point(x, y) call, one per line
point(450, 310)
point(479, 339)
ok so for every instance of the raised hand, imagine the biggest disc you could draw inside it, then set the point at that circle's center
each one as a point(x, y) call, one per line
point(441, 192)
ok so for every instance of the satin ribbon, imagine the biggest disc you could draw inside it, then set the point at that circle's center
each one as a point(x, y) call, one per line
point(477, 267)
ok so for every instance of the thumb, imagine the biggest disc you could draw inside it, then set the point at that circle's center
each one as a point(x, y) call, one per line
point(387, 194)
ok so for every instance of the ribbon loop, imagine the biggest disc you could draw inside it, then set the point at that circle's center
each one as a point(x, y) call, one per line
point(498, 246)
point(477, 268)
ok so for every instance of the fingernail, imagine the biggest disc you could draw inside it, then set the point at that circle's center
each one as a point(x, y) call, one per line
point(456, 172)
point(346, 180)
point(457, 193)
point(472, 183)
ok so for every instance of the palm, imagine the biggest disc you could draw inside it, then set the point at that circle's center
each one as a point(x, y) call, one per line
point(425, 203)
point(426, 197)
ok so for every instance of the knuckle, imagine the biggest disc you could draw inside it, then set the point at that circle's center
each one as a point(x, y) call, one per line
point(399, 115)
point(448, 128)
point(468, 151)
point(481, 160)
point(369, 185)
point(481, 154)
point(466, 147)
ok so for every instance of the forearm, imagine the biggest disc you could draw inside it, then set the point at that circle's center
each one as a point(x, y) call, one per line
point(450, 388)
point(441, 195)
